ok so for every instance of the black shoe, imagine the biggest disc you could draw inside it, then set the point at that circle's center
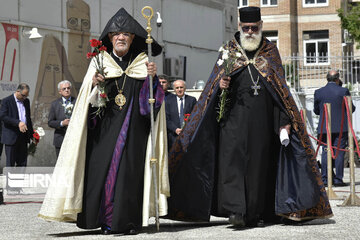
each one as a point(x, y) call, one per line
point(287, 221)
point(260, 223)
point(237, 220)
point(255, 223)
point(340, 184)
point(105, 230)
point(131, 231)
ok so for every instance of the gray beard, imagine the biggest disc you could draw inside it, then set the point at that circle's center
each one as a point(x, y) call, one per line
point(250, 44)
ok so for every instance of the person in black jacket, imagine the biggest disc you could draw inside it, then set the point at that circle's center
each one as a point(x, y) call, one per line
point(332, 93)
point(60, 113)
point(176, 106)
point(17, 130)
point(164, 81)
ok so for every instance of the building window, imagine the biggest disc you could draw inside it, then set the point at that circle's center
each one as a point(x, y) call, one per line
point(316, 47)
point(315, 3)
point(268, 3)
point(243, 3)
point(272, 36)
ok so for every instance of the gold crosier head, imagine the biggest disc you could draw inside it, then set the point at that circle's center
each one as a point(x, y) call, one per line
point(148, 18)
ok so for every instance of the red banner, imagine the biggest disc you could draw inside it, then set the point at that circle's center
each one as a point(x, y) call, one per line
point(9, 58)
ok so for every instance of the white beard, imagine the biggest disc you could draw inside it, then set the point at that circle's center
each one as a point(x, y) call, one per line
point(250, 43)
point(122, 48)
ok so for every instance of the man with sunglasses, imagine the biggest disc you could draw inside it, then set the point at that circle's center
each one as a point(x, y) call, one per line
point(60, 113)
point(237, 167)
point(17, 129)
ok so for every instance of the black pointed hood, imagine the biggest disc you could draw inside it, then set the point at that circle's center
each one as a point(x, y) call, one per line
point(122, 21)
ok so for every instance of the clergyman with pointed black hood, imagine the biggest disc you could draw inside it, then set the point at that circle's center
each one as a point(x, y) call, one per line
point(109, 184)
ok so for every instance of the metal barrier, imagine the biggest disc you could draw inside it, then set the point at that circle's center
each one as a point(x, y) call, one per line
point(352, 199)
point(304, 72)
point(331, 194)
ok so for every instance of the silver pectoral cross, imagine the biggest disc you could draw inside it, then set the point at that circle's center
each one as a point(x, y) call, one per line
point(256, 87)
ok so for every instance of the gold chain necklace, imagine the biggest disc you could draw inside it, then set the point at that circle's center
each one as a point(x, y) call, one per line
point(120, 99)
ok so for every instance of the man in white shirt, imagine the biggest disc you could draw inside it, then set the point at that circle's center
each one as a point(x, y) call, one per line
point(60, 113)
point(176, 107)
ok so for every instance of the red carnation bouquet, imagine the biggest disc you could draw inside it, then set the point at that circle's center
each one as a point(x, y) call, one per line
point(35, 140)
point(97, 55)
point(186, 119)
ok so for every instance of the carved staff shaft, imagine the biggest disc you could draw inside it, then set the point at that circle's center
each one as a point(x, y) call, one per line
point(153, 160)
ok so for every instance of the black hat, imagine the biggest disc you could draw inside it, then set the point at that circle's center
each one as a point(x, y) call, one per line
point(122, 21)
point(250, 14)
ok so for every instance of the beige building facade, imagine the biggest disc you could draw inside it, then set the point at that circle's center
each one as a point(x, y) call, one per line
point(311, 41)
point(309, 37)
point(305, 27)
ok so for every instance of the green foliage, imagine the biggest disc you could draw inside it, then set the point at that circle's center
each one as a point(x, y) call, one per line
point(223, 104)
point(348, 86)
point(351, 22)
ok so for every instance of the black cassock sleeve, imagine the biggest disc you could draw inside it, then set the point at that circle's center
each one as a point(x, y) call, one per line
point(280, 118)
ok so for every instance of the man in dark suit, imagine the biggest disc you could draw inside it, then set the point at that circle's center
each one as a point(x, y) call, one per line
point(332, 93)
point(17, 129)
point(176, 107)
point(60, 113)
point(164, 81)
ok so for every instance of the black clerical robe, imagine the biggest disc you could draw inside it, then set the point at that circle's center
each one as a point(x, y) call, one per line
point(105, 159)
point(116, 140)
point(239, 164)
point(246, 160)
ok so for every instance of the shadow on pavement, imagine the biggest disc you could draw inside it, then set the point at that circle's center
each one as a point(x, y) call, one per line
point(286, 222)
point(77, 233)
point(164, 227)
point(182, 226)
point(311, 222)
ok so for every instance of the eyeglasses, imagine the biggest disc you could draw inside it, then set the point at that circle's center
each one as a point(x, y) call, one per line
point(247, 28)
point(23, 95)
point(117, 34)
point(66, 88)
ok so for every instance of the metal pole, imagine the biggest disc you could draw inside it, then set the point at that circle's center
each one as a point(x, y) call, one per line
point(351, 71)
point(331, 194)
point(298, 59)
point(352, 199)
point(293, 76)
point(153, 160)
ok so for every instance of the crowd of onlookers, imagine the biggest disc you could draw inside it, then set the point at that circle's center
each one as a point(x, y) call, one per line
point(18, 130)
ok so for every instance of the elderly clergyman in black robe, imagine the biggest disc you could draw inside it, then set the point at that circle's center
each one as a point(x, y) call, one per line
point(238, 168)
point(104, 161)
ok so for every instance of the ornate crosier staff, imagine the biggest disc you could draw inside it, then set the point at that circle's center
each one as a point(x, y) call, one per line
point(153, 160)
